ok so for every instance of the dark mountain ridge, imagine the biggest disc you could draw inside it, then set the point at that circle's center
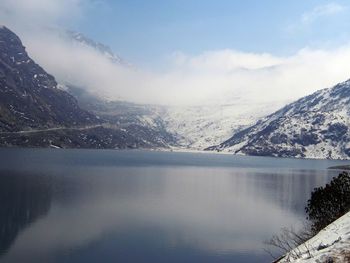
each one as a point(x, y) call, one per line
point(36, 112)
point(29, 97)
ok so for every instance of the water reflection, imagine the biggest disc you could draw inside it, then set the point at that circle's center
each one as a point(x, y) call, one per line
point(148, 213)
point(23, 199)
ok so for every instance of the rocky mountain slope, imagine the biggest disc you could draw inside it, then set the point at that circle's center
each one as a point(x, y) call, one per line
point(140, 120)
point(316, 126)
point(36, 112)
point(29, 97)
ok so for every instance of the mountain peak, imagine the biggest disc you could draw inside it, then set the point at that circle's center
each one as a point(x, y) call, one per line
point(7, 36)
point(103, 49)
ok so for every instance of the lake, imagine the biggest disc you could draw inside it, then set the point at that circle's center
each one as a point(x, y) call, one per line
point(144, 206)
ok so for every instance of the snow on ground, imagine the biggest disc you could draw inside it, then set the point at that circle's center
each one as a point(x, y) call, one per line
point(315, 126)
point(199, 127)
point(332, 244)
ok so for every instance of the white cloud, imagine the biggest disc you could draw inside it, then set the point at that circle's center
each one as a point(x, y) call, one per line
point(329, 9)
point(27, 13)
point(212, 77)
point(218, 76)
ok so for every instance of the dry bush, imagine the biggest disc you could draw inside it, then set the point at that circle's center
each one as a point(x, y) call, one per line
point(287, 242)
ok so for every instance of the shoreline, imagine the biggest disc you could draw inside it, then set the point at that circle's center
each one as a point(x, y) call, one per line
point(186, 150)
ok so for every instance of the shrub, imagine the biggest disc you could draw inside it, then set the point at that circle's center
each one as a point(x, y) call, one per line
point(328, 203)
point(286, 242)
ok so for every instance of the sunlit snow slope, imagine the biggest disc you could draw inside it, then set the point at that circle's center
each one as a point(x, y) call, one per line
point(198, 127)
point(316, 126)
point(330, 245)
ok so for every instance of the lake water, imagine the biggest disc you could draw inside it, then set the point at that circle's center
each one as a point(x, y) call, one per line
point(138, 206)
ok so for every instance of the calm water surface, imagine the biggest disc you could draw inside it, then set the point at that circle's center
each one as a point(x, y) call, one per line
point(134, 206)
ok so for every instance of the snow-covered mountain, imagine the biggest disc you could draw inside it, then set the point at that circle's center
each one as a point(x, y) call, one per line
point(139, 120)
point(194, 127)
point(189, 127)
point(198, 127)
point(101, 48)
point(315, 126)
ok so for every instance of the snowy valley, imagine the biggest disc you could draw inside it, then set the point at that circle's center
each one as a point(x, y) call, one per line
point(315, 126)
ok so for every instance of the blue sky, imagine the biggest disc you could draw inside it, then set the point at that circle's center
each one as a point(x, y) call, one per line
point(149, 30)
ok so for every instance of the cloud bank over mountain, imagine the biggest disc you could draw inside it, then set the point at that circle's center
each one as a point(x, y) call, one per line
point(217, 76)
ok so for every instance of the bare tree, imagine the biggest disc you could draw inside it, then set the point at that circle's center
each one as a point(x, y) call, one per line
point(287, 243)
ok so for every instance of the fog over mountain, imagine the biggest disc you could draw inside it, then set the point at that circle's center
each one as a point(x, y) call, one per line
point(212, 77)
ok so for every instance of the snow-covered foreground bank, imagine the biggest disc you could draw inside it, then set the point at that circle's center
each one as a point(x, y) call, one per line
point(332, 244)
